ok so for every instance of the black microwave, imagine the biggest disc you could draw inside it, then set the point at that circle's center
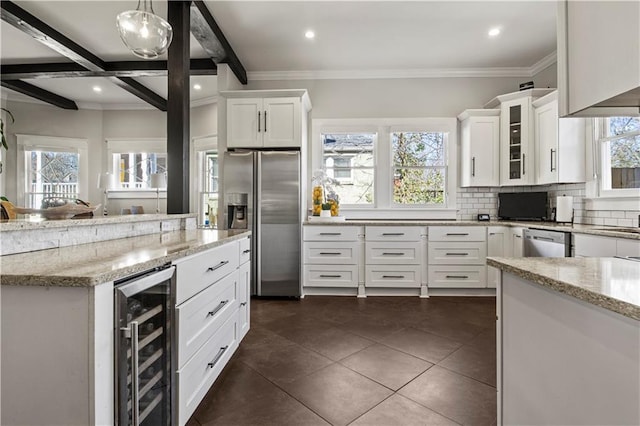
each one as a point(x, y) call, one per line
point(522, 205)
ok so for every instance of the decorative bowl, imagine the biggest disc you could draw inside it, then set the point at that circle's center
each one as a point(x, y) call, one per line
point(66, 211)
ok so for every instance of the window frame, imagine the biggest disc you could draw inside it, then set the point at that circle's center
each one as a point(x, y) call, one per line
point(27, 142)
point(602, 141)
point(119, 146)
point(383, 205)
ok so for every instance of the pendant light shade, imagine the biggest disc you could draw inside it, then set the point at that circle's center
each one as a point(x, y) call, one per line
point(146, 34)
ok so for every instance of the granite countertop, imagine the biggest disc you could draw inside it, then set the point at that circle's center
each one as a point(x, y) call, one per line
point(87, 265)
point(40, 223)
point(605, 231)
point(610, 283)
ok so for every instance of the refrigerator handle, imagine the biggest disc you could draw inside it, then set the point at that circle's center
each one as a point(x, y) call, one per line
point(257, 212)
point(258, 121)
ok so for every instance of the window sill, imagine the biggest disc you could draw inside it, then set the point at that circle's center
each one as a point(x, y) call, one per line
point(136, 194)
point(612, 203)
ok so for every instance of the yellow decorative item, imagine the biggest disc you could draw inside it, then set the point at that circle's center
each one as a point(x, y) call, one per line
point(335, 207)
point(318, 194)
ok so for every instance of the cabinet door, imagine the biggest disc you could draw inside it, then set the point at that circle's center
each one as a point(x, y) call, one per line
point(245, 123)
point(546, 139)
point(594, 246)
point(516, 159)
point(244, 284)
point(626, 247)
point(282, 123)
point(496, 246)
point(480, 151)
point(517, 242)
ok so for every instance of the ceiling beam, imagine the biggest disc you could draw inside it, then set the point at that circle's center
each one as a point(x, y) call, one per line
point(205, 29)
point(203, 66)
point(38, 93)
point(43, 33)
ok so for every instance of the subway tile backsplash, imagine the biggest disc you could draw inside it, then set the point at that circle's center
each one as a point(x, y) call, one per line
point(471, 201)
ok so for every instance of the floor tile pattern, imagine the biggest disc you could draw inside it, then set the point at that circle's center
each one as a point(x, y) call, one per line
point(388, 361)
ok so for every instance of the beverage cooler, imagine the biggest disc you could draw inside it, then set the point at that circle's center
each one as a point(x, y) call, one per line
point(144, 371)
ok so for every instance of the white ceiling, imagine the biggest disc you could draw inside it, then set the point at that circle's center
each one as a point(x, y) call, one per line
point(386, 38)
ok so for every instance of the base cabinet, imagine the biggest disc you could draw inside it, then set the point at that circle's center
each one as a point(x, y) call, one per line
point(497, 238)
point(457, 257)
point(212, 317)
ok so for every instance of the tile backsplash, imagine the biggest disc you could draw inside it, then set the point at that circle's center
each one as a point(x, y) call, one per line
point(472, 201)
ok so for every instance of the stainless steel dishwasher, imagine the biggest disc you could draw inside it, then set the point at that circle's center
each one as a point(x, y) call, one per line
point(542, 243)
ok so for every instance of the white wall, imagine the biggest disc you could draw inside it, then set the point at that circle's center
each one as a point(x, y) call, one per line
point(96, 126)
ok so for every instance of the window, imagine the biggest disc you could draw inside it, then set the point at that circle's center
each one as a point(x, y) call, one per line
point(620, 156)
point(52, 167)
point(133, 162)
point(389, 168)
point(349, 159)
point(51, 175)
point(419, 173)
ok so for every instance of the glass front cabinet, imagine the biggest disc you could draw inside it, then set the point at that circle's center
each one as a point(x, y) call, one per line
point(516, 135)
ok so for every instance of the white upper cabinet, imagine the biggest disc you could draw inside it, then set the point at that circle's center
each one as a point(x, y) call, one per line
point(560, 143)
point(517, 151)
point(274, 120)
point(480, 147)
point(598, 56)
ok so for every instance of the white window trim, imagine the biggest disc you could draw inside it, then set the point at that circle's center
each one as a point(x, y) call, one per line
point(383, 206)
point(115, 146)
point(597, 197)
point(51, 143)
point(198, 146)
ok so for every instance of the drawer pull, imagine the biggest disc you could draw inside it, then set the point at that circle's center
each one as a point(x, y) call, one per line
point(217, 308)
point(243, 304)
point(246, 251)
point(218, 356)
point(457, 234)
point(330, 233)
point(392, 254)
point(218, 266)
point(326, 253)
point(392, 234)
point(457, 254)
point(330, 276)
point(397, 277)
point(460, 277)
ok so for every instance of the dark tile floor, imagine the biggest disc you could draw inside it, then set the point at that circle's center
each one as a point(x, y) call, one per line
point(347, 361)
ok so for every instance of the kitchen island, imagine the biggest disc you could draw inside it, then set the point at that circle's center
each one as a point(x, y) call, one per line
point(58, 316)
point(568, 340)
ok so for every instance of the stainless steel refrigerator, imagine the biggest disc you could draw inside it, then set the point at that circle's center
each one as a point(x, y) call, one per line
point(262, 193)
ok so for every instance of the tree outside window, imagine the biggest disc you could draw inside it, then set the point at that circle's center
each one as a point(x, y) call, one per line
point(349, 159)
point(419, 167)
point(51, 174)
point(622, 153)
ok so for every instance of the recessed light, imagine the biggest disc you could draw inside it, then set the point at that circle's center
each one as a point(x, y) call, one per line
point(309, 34)
point(494, 32)
point(97, 89)
point(197, 87)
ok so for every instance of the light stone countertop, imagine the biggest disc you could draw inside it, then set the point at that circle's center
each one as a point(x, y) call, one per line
point(87, 265)
point(604, 231)
point(608, 282)
point(39, 223)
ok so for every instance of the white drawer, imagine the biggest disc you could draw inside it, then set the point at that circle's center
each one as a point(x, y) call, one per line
point(391, 253)
point(244, 299)
point(457, 276)
point(245, 250)
point(330, 276)
point(398, 276)
point(393, 233)
point(331, 233)
point(197, 376)
point(200, 317)
point(336, 253)
point(457, 253)
point(457, 233)
point(197, 272)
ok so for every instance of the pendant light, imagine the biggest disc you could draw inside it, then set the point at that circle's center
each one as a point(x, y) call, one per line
point(146, 34)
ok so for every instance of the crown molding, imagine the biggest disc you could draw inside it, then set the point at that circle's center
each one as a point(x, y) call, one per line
point(544, 63)
point(406, 73)
point(205, 101)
